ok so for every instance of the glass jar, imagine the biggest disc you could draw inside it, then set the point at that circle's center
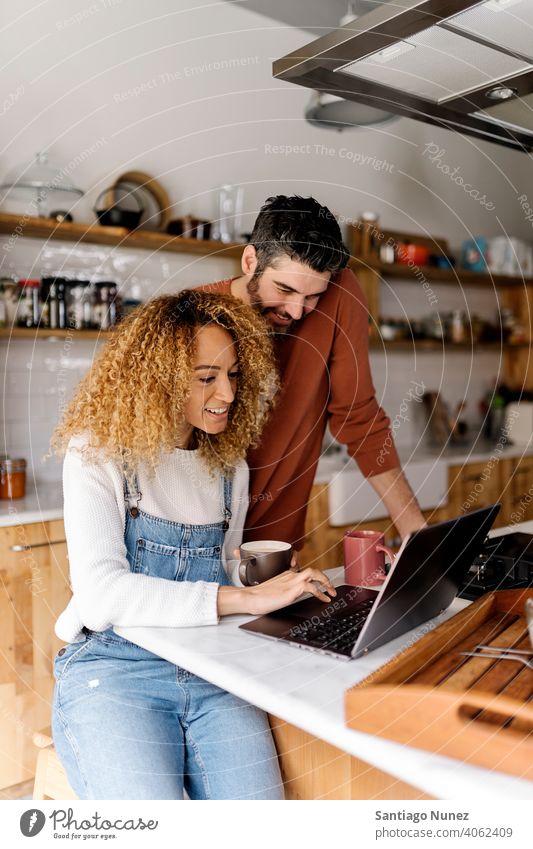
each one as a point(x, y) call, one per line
point(76, 309)
point(12, 478)
point(457, 328)
point(11, 295)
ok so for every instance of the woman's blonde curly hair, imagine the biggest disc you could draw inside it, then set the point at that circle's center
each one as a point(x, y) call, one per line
point(130, 404)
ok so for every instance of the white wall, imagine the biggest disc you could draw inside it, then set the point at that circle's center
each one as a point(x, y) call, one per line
point(185, 92)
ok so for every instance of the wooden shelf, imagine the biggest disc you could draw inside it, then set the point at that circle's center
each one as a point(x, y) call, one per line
point(46, 333)
point(45, 228)
point(375, 344)
point(456, 276)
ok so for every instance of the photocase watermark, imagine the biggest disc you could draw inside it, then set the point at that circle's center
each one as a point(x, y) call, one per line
point(185, 73)
point(88, 12)
point(65, 825)
point(354, 156)
point(435, 154)
point(11, 99)
point(415, 393)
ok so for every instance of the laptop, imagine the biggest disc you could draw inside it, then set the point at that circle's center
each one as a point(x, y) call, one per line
point(428, 570)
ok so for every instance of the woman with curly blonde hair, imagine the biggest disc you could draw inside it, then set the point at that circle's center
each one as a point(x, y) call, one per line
point(156, 491)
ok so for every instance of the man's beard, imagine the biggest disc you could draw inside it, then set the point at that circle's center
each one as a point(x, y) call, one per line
point(257, 303)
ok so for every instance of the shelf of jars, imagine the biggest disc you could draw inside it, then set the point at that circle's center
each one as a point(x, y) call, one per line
point(17, 226)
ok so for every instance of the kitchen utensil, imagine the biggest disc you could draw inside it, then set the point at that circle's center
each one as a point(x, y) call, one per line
point(115, 216)
point(153, 196)
point(189, 227)
point(529, 618)
point(503, 649)
point(474, 253)
point(440, 424)
point(499, 656)
point(412, 254)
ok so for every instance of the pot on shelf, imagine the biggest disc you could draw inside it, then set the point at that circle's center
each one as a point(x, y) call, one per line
point(116, 215)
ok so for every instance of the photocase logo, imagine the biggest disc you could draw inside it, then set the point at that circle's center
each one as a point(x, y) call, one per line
point(32, 822)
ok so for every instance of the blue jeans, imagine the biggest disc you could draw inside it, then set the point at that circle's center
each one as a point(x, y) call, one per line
point(129, 725)
point(146, 729)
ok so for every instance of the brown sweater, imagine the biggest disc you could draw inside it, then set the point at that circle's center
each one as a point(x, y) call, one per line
point(325, 377)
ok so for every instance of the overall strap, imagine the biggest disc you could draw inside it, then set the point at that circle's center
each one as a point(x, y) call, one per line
point(132, 498)
point(228, 489)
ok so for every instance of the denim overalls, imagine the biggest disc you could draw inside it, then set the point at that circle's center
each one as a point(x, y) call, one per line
point(128, 724)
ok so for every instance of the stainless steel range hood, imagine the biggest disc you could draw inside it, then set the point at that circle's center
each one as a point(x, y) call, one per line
point(461, 64)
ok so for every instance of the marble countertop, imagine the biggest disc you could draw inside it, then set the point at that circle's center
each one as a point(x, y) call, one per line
point(307, 690)
point(43, 502)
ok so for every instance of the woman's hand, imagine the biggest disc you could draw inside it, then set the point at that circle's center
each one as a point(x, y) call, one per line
point(286, 588)
point(277, 592)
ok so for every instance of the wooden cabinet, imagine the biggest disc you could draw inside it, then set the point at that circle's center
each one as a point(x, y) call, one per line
point(314, 769)
point(473, 485)
point(517, 490)
point(34, 589)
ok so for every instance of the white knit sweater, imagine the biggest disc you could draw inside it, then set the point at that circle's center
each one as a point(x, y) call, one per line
point(105, 592)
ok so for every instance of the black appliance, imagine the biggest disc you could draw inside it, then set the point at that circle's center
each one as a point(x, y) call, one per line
point(505, 563)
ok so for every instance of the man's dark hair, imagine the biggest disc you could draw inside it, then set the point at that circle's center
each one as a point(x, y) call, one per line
point(301, 229)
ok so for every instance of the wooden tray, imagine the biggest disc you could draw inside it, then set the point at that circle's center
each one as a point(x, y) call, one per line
point(475, 709)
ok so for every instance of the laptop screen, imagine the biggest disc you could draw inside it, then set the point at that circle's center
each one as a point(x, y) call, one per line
point(428, 571)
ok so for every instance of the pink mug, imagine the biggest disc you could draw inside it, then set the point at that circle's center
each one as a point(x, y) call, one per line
point(364, 561)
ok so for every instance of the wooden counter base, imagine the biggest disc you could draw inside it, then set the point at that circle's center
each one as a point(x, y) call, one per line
point(313, 769)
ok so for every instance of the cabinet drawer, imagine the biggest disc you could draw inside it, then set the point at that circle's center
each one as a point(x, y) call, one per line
point(473, 485)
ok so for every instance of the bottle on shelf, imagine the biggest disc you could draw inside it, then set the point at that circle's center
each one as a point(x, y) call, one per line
point(3, 311)
point(76, 305)
point(114, 311)
point(53, 307)
point(369, 226)
point(61, 295)
point(87, 306)
point(457, 329)
point(29, 313)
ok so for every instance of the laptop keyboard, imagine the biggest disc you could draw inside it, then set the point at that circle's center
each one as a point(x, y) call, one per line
point(336, 634)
